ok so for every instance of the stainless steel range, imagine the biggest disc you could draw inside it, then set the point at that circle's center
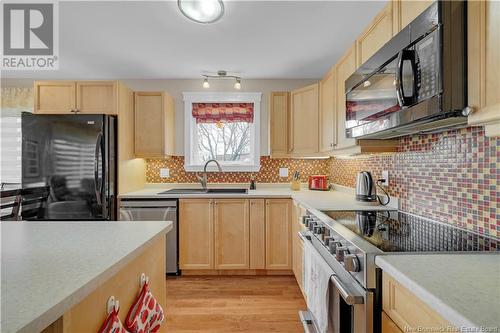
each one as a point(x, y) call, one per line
point(349, 241)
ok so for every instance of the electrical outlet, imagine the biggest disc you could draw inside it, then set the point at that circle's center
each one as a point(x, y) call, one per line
point(385, 176)
point(283, 172)
point(164, 172)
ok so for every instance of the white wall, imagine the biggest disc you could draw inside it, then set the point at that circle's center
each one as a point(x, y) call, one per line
point(176, 87)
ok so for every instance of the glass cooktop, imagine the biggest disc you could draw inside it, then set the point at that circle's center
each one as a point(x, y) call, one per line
point(400, 232)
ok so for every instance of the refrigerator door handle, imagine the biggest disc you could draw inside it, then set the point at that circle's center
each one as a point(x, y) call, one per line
point(97, 186)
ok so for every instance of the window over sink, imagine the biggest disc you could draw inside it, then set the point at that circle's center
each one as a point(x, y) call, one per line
point(224, 127)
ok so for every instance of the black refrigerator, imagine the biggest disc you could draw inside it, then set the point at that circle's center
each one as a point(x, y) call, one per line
point(75, 156)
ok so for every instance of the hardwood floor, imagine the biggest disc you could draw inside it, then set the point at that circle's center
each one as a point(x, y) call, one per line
point(233, 304)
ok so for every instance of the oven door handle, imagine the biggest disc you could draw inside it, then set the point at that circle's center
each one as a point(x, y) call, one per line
point(348, 297)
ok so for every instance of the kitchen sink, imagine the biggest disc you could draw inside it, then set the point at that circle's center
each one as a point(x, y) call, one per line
point(207, 191)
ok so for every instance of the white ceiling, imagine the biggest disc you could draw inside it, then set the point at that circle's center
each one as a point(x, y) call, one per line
point(152, 40)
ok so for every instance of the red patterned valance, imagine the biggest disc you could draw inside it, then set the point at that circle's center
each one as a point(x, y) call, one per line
point(223, 112)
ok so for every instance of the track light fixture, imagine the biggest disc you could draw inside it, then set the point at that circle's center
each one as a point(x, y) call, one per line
point(221, 75)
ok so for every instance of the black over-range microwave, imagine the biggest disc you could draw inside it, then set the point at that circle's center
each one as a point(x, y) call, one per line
point(417, 82)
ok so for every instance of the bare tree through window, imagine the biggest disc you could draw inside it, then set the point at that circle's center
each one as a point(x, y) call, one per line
point(224, 141)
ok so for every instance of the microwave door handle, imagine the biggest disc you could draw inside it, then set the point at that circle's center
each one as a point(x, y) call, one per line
point(399, 84)
point(402, 56)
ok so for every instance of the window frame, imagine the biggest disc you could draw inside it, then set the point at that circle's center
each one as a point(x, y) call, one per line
point(190, 127)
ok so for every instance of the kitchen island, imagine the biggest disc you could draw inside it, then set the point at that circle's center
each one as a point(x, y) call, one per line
point(462, 289)
point(60, 274)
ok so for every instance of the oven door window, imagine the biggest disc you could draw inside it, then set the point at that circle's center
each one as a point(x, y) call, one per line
point(373, 98)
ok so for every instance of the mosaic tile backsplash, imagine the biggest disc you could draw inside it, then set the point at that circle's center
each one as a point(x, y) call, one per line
point(451, 177)
point(269, 171)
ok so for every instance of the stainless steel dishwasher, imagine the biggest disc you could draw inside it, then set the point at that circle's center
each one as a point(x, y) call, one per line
point(155, 210)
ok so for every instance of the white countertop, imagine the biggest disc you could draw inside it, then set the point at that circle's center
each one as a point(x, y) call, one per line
point(342, 198)
point(48, 267)
point(463, 288)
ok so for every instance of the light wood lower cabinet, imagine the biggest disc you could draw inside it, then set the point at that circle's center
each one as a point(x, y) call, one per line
point(407, 311)
point(231, 233)
point(388, 326)
point(196, 234)
point(235, 234)
point(257, 234)
point(278, 234)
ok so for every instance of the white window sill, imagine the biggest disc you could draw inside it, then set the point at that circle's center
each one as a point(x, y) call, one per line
point(225, 168)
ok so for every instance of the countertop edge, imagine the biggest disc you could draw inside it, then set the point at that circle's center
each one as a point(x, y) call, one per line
point(425, 296)
point(50, 316)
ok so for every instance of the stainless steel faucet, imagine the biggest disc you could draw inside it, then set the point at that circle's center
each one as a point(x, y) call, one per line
point(203, 179)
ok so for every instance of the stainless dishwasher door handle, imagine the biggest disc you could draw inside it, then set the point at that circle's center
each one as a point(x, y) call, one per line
point(348, 297)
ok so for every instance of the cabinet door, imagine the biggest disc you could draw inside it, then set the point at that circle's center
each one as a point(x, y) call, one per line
point(305, 120)
point(231, 234)
point(278, 234)
point(53, 97)
point(327, 126)
point(279, 123)
point(388, 326)
point(257, 234)
point(150, 119)
point(97, 97)
point(345, 67)
point(375, 35)
point(484, 64)
point(405, 11)
point(196, 234)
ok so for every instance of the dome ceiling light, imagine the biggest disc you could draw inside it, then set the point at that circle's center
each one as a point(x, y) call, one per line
point(202, 11)
point(221, 75)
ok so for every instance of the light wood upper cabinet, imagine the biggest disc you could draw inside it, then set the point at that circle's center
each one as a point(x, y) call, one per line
point(405, 11)
point(278, 234)
point(257, 234)
point(327, 111)
point(196, 230)
point(90, 97)
point(96, 97)
point(231, 234)
point(304, 121)
point(279, 113)
point(378, 32)
point(154, 124)
point(345, 68)
point(484, 64)
point(53, 97)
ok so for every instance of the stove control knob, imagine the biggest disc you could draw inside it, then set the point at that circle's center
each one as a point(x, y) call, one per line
point(312, 225)
point(332, 246)
point(318, 230)
point(340, 253)
point(305, 219)
point(351, 263)
point(328, 240)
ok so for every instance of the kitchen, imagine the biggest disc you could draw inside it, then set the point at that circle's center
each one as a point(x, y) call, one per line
point(343, 180)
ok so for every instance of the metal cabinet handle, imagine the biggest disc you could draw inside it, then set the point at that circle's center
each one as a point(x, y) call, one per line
point(348, 297)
